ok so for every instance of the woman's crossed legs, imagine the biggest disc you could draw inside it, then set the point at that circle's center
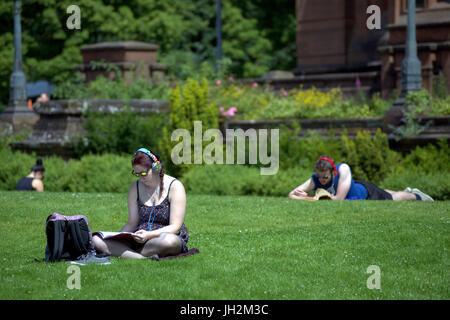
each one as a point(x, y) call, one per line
point(163, 245)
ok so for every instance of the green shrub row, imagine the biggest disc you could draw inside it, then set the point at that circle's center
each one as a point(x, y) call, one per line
point(112, 173)
point(92, 173)
point(242, 180)
point(120, 133)
point(436, 184)
point(369, 157)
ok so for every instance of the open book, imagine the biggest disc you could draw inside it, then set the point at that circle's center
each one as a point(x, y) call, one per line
point(322, 194)
point(113, 235)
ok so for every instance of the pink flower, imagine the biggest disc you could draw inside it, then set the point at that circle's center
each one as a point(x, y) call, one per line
point(231, 79)
point(232, 111)
point(285, 93)
point(218, 82)
point(229, 113)
point(255, 85)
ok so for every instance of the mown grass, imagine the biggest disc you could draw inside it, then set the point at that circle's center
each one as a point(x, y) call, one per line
point(250, 248)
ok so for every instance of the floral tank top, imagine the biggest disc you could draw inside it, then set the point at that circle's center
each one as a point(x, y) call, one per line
point(159, 217)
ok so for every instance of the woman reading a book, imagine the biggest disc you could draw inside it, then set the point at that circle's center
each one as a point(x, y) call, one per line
point(156, 210)
point(338, 181)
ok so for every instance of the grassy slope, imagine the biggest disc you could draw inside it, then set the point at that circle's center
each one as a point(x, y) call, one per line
point(250, 248)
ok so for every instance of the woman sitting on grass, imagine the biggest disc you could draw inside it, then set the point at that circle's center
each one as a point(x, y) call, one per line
point(33, 181)
point(156, 209)
point(337, 180)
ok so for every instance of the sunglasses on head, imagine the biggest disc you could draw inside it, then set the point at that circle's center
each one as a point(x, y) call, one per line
point(139, 174)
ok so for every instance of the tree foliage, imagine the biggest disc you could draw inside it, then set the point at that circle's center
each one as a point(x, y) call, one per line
point(184, 29)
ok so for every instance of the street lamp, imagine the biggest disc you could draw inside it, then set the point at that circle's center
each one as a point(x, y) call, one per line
point(17, 111)
point(218, 35)
point(411, 66)
point(411, 71)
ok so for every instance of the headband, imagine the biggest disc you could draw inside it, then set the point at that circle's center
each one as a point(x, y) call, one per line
point(329, 160)
point(156, 165)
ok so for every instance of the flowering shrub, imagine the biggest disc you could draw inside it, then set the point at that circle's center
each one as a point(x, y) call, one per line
point(263, 103)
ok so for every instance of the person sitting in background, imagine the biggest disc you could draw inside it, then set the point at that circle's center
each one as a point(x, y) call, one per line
point(43, 98)
point(337, 180)
point(33, 181)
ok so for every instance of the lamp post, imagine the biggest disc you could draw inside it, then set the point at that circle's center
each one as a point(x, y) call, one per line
point(411, 66)
point(17, 111)
point(411, 71)
point(218, 35)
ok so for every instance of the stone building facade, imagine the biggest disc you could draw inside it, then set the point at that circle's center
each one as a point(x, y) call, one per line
point(333, 39)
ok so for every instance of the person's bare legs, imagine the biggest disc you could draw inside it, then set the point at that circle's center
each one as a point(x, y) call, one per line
point(401, 195)
point(115, 248)
point(163, 245)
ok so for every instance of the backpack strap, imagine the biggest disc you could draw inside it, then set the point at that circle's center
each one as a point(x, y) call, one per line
point(58, 240)
point(77, 239)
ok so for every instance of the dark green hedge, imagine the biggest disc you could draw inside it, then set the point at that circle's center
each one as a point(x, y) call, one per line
point(426, 168)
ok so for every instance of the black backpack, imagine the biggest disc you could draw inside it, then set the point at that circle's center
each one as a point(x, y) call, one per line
point(68, 237)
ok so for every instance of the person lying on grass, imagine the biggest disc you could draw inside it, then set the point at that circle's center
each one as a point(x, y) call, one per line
point(156, 210)
point(337, 180)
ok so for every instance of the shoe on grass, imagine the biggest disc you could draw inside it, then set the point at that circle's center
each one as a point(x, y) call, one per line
point(422, 195)
point(408, 189)
point(91, 258)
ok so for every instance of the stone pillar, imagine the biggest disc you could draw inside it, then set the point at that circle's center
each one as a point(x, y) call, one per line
point(133, 58)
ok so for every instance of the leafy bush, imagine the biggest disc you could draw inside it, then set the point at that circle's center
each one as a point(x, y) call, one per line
point(436, 184)
point(440, 87)
point(420, 103)
point(105, 173)
point(13, 167)
point(263, 103)
point(242, 180)
point(188, 103)
point(304, 151)
point(423, 103)
point(369, 157)
point(429, 159)
point(118, 88)
point(120, 133)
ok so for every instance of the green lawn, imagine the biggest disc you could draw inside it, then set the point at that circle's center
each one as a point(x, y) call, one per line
point(250, 248)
